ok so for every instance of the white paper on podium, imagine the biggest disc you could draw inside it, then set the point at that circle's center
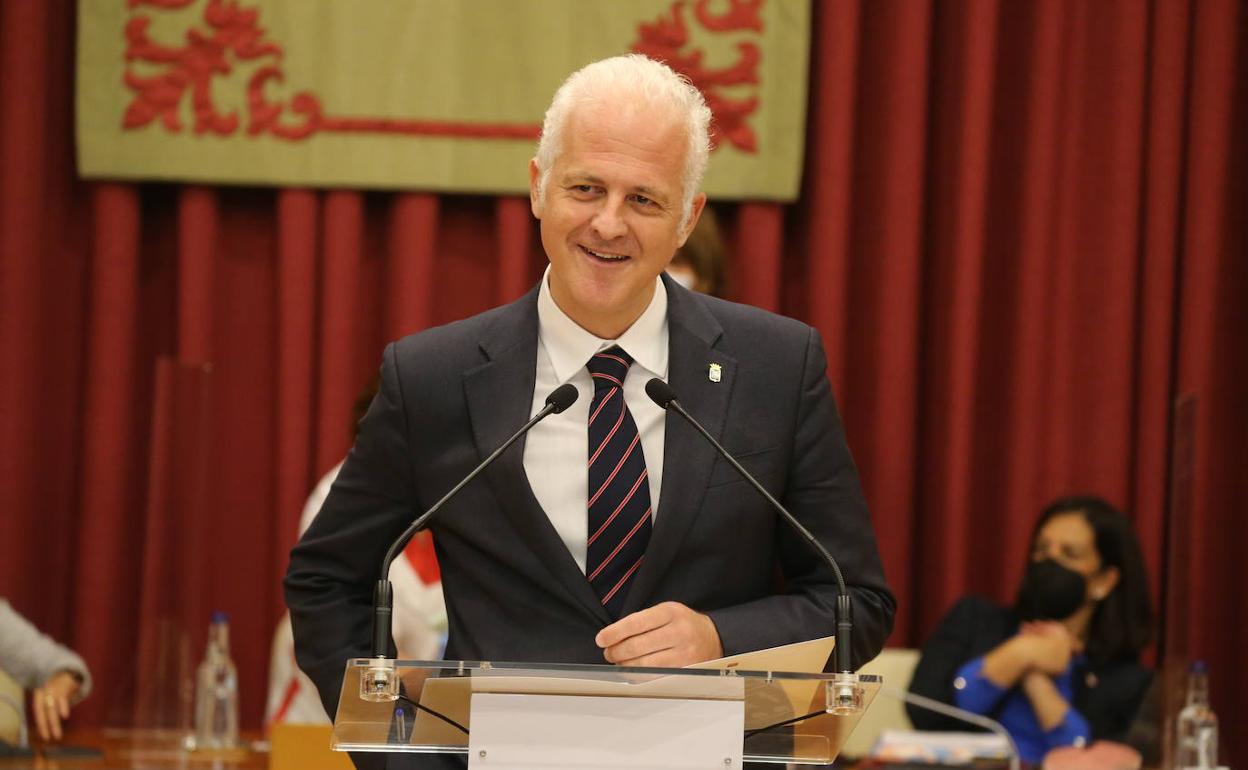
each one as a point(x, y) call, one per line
point(807, 657)
point(803, 697)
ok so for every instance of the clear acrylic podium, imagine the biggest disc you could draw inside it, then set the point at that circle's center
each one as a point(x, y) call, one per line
point(512, 715)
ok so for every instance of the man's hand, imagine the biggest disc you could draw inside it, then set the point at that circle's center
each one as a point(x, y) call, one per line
point(668, 634)
point(50, 704)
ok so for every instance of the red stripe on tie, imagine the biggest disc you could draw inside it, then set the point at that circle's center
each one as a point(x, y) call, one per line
point(607, 440)
point(608, 397)
point(618, 508)
point(603, 376)
point(618, 465)
point(613, 358)
point(627, 575)
point(621, 545)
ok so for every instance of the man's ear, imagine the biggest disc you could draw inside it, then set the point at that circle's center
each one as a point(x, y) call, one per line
point(535, 197)
point(699, 202)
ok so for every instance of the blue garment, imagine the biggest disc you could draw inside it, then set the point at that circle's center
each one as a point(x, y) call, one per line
point(1107, 693)
point(975, 692)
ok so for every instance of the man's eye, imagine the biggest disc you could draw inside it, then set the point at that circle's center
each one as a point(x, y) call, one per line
point(643, 200)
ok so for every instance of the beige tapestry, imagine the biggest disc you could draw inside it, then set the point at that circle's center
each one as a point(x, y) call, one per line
point(444, 95)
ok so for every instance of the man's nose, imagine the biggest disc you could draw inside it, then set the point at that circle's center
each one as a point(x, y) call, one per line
point(608, 222)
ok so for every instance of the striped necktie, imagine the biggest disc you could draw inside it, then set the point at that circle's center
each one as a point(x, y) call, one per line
point(619, 490)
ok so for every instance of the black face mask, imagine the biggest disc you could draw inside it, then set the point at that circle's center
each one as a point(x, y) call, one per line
point(1050, 591)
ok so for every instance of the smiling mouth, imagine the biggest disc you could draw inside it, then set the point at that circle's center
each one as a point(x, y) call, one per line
point(604, 256)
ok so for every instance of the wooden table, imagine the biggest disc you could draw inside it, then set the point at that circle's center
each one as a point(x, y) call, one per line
point(133, 749)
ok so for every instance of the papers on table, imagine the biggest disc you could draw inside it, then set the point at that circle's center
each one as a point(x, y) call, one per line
point(944, 748)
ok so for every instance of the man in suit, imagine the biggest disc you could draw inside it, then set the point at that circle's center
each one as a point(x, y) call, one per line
point(612, 533)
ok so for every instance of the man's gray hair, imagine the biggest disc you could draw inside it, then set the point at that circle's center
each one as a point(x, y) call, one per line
point(632, 78)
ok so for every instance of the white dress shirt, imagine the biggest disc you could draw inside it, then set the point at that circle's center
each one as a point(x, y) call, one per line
point(556, 452)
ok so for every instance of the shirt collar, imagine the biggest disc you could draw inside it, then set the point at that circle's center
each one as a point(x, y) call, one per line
point(569, 346)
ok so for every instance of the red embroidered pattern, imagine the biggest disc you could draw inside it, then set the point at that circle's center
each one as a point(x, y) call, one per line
point(231, 34)
point(666, 38)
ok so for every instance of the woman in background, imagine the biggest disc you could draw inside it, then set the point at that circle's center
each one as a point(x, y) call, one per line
point(1061, 667)
point(56, 676)
point(699, 264)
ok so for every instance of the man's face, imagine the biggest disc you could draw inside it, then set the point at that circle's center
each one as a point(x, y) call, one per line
point(611, 213)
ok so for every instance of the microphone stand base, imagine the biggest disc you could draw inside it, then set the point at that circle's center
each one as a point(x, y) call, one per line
point(844, 695)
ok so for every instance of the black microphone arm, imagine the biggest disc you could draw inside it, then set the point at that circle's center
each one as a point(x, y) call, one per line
point(559, 399)
point(663, 395)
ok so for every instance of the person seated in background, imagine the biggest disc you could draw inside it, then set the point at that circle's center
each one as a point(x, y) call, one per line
point(419, 610)
point(1061, 667)
point(56, 676)
point(699, 264)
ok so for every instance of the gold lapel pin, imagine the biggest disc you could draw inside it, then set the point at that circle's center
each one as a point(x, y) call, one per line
point(715, 373)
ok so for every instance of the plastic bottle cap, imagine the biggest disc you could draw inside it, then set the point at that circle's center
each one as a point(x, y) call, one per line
point(220, 617)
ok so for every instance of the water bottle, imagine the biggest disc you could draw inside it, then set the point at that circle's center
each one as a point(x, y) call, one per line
point(216, 691)
point(1197, 745)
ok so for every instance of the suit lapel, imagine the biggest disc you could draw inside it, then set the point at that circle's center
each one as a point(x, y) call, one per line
point(687, 458)
point(499, 395)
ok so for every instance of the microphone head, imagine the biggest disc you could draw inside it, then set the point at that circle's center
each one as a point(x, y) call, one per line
point(660, 392)
point(562, 397)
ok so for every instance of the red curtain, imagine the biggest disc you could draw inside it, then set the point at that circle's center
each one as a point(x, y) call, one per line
point(1021, 233)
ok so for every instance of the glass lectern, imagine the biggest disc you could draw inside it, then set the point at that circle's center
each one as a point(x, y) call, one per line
point(515, 715)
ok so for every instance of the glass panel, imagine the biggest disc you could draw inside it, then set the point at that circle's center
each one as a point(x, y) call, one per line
point(786, 717)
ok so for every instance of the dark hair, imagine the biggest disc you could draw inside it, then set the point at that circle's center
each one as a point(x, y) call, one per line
point(704, 253)
point(1122, 624)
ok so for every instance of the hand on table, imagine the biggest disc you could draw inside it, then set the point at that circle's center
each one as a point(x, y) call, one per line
point(668, 634)
point(50, 704)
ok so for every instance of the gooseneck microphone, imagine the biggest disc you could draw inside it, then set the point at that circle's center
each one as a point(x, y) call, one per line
point(559, 399)
point(662, 394)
